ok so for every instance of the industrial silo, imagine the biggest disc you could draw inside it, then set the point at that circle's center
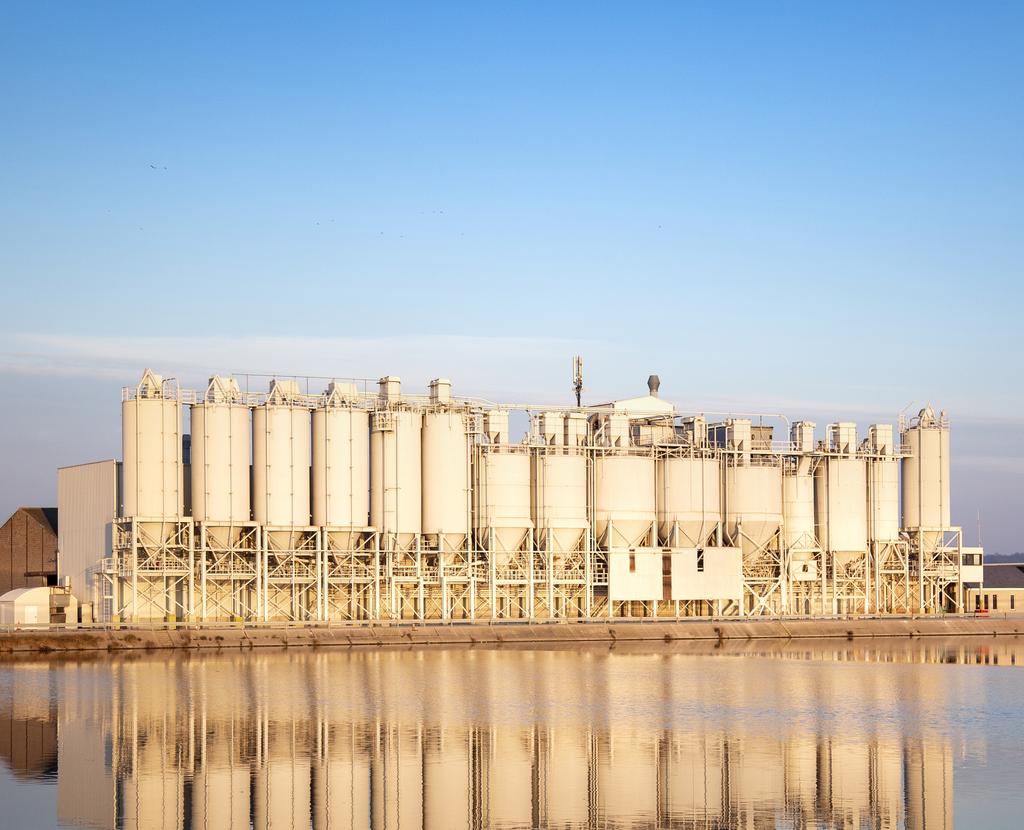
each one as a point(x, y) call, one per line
point(446, 470)
point(753, 489)
point(840, 490)
point(220, 459)
point(799, 537)
point(281, 458)
point(151, 449)
point(395, 468)
point(341, 465)
point(883, 485)
point(926, 476)
point(689, 492)
point(624, 499)
point(559, 493)
point(502, 491)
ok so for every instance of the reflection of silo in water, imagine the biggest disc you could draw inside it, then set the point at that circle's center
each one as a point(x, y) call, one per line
point(888, 777)
point(446, 772)
point(510, 779)
point(565, 776)
point(341, 781)
point(283, 781)
point(802, 772)
point(693, 781)
point(397, 778)
point(627, 777)
point(152, 797)
point(929, 777)
point(756, 769)
point(220, 790)
point(851, 778)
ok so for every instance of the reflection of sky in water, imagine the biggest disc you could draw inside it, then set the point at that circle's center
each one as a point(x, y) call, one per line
point(835, 735)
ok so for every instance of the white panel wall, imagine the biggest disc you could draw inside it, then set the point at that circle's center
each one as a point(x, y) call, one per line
point(722, 577)
point(87, 504)
point(635, 575)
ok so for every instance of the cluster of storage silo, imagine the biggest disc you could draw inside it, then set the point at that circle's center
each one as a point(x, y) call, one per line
point(595, 508)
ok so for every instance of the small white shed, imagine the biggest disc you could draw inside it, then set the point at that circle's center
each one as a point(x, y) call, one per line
point(25, 606)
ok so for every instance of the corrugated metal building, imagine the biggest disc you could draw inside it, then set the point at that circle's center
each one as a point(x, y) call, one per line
point(28, 549)
point(87, 495)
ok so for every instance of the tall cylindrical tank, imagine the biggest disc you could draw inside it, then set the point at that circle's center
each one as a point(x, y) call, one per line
point(395, 483)
point(560, 499)
point(445, 478)
point(798, 506)
point(624, 501)
point(753, 499)
point(926, 473)
point(884, 509)
point(503, 500)
point(689, 495)
point(280, 459)
point(883, 485)
point(151, 449)
point(840, 504)
point(220, 456)
point(341, 465)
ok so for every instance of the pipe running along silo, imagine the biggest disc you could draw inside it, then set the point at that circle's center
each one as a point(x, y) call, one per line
point(502, 491)
point(341, 466)
point(559, 474)
point(395, 468)
point(926, 477)
point(840, 491)
point(446, 471)
point(281, 459)
point(220, 461)
point(689, 491)
point(151, 448)
point(624, 500)
point(753, 488)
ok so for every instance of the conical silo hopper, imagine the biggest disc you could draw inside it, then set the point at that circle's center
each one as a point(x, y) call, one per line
point(503, 500)
point(753, 505)
point(624, 500)
point(689, 500)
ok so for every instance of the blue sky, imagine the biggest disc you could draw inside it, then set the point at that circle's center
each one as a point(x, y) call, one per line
point(808, 208)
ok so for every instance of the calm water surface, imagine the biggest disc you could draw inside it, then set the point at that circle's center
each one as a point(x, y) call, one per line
point(916, 735)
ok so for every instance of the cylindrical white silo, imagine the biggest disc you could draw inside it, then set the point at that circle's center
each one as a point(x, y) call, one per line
point(840, 504)
point(503, 500)
point(341, 466)
point(798, 506)
point(689, 500)
point(624, 501)
point(445, 478)
point(281, 459)
point(753, 504)
point(883, 485)
point(884, 510)
point(926, 474)
point(220, 456)
point(151, 449)
point(395, 474)
point(560, 499)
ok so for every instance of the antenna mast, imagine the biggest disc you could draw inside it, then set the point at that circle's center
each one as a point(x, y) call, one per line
point(577, 377)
